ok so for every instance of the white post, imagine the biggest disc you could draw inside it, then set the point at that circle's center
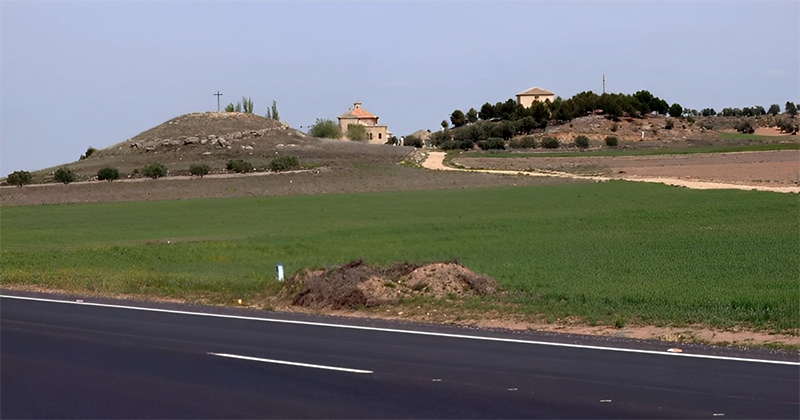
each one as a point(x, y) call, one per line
point(279, 269)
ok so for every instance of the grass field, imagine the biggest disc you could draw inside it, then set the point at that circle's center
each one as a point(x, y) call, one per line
point(608, 253)
point(643, 152)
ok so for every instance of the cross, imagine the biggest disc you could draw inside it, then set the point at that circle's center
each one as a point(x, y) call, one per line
point(217, 95)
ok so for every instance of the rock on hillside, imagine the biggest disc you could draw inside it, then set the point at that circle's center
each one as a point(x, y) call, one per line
point(216, 128)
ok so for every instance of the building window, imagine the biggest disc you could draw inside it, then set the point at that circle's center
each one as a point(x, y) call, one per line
point(370, 136)
point(379, 136)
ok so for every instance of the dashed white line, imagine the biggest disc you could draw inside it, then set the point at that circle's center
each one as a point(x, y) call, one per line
point(285, 362)
point(412, 332)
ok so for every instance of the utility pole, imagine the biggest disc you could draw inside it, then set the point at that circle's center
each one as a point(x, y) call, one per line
point(217, 95)
point(604, 83)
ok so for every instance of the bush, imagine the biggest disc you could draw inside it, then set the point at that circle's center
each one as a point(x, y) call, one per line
point(582, 142)
point(492, 143)
point(550, 143)
point(108, 174)
point(284, 163)
point(614, 127)
point(526, 142)
point(745, 127)
point(199, 169)
point(239, 166)
point(612, 141)
point(64, 175)
point(154, 170)
point(325, 129)
point(19, 178)
point(669, 124)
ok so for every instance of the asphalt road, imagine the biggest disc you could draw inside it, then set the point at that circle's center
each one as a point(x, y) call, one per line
point(78, 360)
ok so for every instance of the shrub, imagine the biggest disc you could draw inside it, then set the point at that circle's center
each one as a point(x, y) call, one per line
point(239, 166)
point(108, 174)
point(550, 143)
point(325, 129)
point(612, 141)
point(526, 142)
point(492, 143)
point(745, 127)
point(669, 124)
point(19, 178)
point(199, 169)
point(614, 127)
point(582, 142)
point(64, 175)
point(154, 170)
point(284, 163)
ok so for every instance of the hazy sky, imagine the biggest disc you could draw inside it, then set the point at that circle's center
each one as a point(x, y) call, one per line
point(75, 74)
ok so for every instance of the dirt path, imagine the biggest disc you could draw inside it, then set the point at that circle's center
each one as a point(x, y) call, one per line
point(435, 161)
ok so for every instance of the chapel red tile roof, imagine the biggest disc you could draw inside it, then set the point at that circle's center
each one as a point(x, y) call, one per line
point(358, 112)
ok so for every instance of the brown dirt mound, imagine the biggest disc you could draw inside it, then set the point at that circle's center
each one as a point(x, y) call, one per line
point(357, 284)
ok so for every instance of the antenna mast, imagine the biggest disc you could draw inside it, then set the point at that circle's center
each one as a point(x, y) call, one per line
point(604, 83)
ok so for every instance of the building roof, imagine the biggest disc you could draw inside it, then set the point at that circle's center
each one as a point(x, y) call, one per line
point(535, 91)
point(357, 112)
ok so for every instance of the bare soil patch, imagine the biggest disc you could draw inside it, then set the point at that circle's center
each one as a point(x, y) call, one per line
point(773, 168)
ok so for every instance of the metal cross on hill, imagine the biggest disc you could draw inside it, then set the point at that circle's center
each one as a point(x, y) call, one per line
point(217, 95)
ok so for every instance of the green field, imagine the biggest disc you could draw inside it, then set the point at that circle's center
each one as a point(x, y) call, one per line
point(613, 252)
point(766, 147)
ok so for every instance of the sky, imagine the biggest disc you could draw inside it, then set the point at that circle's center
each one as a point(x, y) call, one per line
point(75, 74)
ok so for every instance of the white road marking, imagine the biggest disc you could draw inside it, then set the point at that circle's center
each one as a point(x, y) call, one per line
point(284, 362)
point(412, 332)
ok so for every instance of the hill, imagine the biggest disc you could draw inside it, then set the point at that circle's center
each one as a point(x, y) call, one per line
point(214, 138)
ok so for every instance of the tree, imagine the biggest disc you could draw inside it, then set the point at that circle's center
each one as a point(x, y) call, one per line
point(472, 116)
point(774, 109)
point(708, 112)
point(154, 170)
point(791, 108)
point(325, 129)
point(445, 124)
point(356, 132)
point(229, 107)
point(90, 151)
point(64, 175)
point(487, 112)
point(19, 178)
point(108, 174)
point(457, 118)
point(272, 113)
point(675, 110)
point(247, 104)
